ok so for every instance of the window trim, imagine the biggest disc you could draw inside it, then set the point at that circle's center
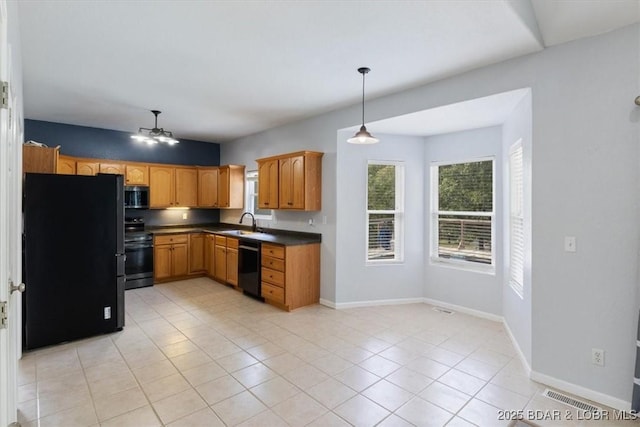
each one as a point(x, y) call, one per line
point(434, 258)
point(253, 176)
point(398, 212)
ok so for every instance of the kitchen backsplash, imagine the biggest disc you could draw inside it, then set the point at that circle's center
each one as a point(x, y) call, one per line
point(157, 217)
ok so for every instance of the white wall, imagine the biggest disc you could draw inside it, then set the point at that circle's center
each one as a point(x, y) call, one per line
point(356, 281)
point(517, 310)
point(478, 291)
point(585, 184)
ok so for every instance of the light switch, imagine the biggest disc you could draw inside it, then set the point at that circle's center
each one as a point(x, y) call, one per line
point(569, 244)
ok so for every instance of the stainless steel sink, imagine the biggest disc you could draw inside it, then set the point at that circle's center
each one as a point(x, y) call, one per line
point(241, 232)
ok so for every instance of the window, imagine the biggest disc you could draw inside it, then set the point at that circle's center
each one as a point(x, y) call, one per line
point(516, 219)
point(251, 197)
point(385, 211)
point(462, 214)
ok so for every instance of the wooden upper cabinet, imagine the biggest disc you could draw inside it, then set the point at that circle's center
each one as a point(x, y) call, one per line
point(268, 184)
point(173, 187)
point(66, 166)
point(136, 174)
point(39, 159)
point(186, 182)
point(169, 185)
point(223, 187)
point(292, 183)
point(114, 168)
point(299, 181)
point(231, 186)
point(87, 168)
point(208, 187)
point(161, 187)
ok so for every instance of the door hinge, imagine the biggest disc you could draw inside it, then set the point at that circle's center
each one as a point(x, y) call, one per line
point(4, 95)
point(3, 315)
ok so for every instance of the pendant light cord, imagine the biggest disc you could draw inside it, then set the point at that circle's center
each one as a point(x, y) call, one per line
point(363, 98)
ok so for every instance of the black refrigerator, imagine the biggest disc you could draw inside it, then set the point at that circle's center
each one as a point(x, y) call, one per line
point(73, 257)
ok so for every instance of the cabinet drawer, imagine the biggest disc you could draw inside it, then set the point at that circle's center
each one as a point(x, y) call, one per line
point(272, 293)
point(232, 243)
point(273, 251)
point(168, 239)
point(273, 263)
point(272, 276)
point(221, 240)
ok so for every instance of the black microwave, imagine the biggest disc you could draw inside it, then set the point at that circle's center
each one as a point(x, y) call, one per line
point(136, 197)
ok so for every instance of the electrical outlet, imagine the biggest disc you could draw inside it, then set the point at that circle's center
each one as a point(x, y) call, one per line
point(311, 221)
point(324, 220)
point(569, 244)
point(597, 356)
point(107, 313)
point(184, 215)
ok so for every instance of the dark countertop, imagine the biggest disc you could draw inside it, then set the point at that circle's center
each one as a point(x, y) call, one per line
point(279, 237)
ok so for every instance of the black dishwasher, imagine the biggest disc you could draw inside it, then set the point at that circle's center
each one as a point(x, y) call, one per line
point(249, 267)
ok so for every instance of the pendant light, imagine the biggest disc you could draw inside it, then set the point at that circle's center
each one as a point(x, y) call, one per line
point(363, 136)
point(155, 135)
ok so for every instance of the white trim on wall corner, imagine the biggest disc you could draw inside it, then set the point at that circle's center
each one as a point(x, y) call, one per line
point(465, 310)
point(583, 392)
point(515, 344)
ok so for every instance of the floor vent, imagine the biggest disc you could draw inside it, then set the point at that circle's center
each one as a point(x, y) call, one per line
point(443, 310)
point(578, 404)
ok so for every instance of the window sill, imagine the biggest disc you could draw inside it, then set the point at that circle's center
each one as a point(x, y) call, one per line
point(464, 266)
point(383, 263)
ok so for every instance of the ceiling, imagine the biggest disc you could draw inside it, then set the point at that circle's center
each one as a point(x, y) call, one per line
point(220, 70)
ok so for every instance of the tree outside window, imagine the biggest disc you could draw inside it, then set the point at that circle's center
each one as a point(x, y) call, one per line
point(463, 216)
point(385, 182)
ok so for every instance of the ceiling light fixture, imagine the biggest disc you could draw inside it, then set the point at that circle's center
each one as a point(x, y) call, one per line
point(155, 135)
point(363, 136)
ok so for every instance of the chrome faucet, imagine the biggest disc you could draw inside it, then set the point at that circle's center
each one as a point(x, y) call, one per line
point(253, 220)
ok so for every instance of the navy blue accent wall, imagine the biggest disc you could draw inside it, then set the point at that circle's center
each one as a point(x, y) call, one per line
point(82, 141)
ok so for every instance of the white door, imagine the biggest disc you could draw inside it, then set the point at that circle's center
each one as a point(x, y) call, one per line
point(10, 232)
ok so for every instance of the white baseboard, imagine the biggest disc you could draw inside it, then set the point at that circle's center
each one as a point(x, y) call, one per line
point(515, 344)
point(465, 310)
point(327, 303)
point(580, 391)
point(370, 303)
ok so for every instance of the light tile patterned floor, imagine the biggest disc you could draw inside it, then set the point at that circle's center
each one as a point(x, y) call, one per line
point(197, 353)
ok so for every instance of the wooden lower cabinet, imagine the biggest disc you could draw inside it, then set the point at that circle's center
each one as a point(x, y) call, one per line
point(226, 260)
point(290, 275)
point(209, 254)
point(220, 267)
point(232, 261)
point(170, 257)
point(196, 253)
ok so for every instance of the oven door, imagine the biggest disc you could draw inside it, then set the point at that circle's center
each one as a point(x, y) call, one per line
point(139, 264)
